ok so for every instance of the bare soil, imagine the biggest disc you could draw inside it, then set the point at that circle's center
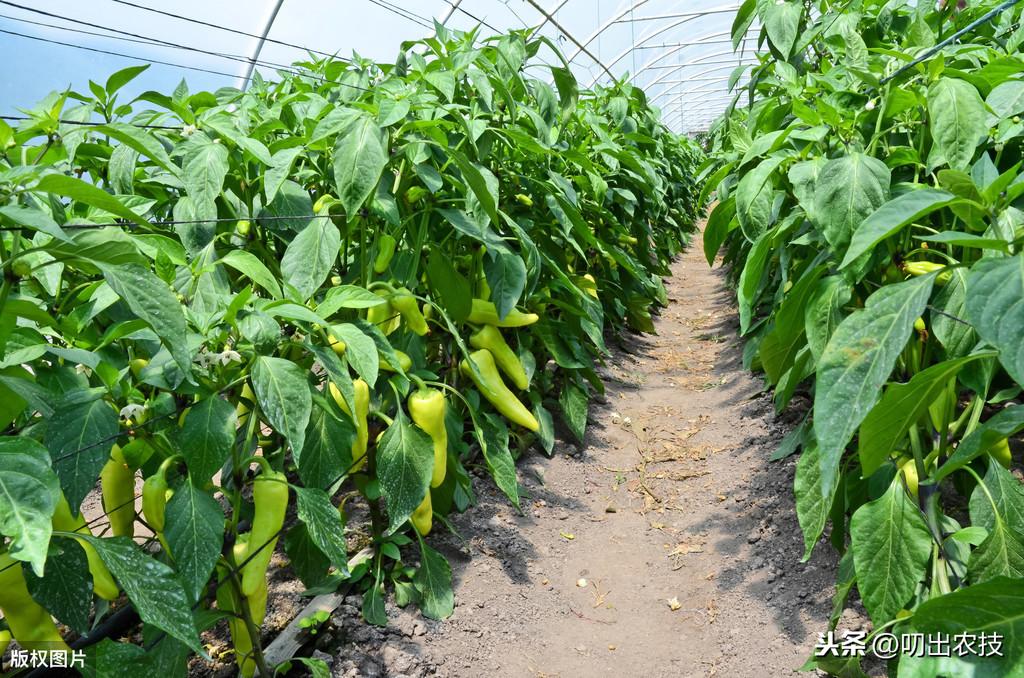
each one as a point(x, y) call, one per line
point(667, 546)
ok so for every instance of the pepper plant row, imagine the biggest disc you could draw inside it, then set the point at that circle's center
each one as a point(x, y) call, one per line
point(870, 210)
point(333, 294)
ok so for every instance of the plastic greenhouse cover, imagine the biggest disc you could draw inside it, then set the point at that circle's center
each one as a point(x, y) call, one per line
point(679, 52)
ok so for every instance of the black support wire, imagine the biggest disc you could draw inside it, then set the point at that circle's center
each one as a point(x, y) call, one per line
point(459, 8)
point(227, 29)
point(88, 123)
point(417, 19)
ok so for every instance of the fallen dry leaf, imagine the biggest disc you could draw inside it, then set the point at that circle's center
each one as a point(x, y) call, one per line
point(673, 603)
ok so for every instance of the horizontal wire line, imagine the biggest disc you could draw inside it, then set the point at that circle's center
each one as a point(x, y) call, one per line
point(89, 123)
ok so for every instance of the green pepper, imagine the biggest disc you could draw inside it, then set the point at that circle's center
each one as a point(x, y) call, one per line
point(155, 494)
point(103, 583)
point(493, 388)
point(427, 407)
point(362, 393)
point(405, 303)
point(422, 518)
point(229, 602)
point(384, 316)
point(5, 641)
point(489, 337)
point(385, 251)
point(117, 483)
point(404, 361)
point(485, 313)
point(919, 268)
point(270, 497)
point(30, 623)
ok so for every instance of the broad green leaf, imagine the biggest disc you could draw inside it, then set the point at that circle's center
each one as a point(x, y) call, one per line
point(66, 590)
point(858, 360)
point(34, 218)
point(346, 296)
point(1004, 424)
point(195, 535)
point(1008, 495)
point(824, 312)
point(443, 81)
point(433, 580)
point(717, 228)
point(900, 407)
point(280, 168)
point(957, 120)
point(1000, 555)
point(360, 351)
point(306, 560)
point(360, 156)
point(323, 524)
point(947, 320)
point(141, 141)
point(152, 587)
point(29, 492)
point(813, 500)
point(1006, 99)
point(780, 346)
point(754, 197)
point(891, 546)
point(453, 290)
point(405, 457)
point(309, 257)
point(506, 275)
point(122, 77)
point(741, 23)
point(250, 266)
point(781, 19)
point(374, 611)
point(83, 192)
point(466, 225)
point(573, 402)
point(205, 167)
point(891, 217)
point(206, 437)
point(79, 437)
point(328, 449)
point(995, 288)
point(848, 190)
point(477, 180)
point(284, 396)
point(499, 459)
point(750, 278)
point(152, 300)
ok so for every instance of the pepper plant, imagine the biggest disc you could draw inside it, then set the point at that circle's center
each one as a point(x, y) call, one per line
point(869, 206)
point(249, 316)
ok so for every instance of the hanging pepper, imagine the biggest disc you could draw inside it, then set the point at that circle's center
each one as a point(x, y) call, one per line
point(493, 388)
point(30, 623)
point(337, 345)
point(155, 494)
point(242, 409)
point(229, 602)
point(489, 337)
point(919, 268)
point(383, 316)
point(405, 303)
point(485, 313)
point(362, 402)
point(270, 497)
point(103, 583)
point(422, 518)
point(5, 640)
point(385, 251)
point(117, 483)
point(404, 361)
point(427, 408)
point(1001, 452)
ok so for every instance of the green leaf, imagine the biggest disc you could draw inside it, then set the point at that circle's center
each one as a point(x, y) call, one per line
point(858, 360)
point(374, 611)
point(443, 81)
point(957, 120)
point(1008, 495)
point(141, 141)
point(360, 156)
point(466, 225)
point(754, 196)
point(29, 492)
point(79, 437)
point(494, 434)
point(66, 590)
point(891, 546)
point(433, 579)
point(34, 218)
point(360, 351)
point(284, 397)
point(1000, 555)
point(744, 17)
point(957, 337)
point(780, 346)
point(250, 266)
point(453, 289)
point(781, 20)
point(206, 437)
point(152, 300)
point(717, 228)
point(195, 535)
point(891, 217)
point(307, 561)
point(78, 190)
point(405, 457)
point(1004, 424)
point(122, 77)
point(823, 312)
point(900, 407)
point(848, 190)
point(205, 167)
point(323, 524)
point(474, 176)
point(573, 401)
point(309, 257)
point(995, 288)
point(328, 448)
point(813, 499)
point(750, 278)
point(346, 296)
point(506, 275)
point(152, 587)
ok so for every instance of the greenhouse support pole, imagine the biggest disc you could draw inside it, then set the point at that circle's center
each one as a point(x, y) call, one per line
point(259, 45)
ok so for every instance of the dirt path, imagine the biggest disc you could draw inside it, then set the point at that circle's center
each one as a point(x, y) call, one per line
point(671, 499)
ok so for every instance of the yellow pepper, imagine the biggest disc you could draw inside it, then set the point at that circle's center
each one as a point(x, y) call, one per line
point(494, 390)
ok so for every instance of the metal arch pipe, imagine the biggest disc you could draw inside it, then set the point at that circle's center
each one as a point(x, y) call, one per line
point(601, 29)
point(712, 108)
point(706, 89)
point(662, 81)
point(548, 16)
point(452, 6)
point(697, 90)
point(656, 17)
point(673, 68)
point(570, 36)
point(622, 55)
point(260, 43)
point(675, 50)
